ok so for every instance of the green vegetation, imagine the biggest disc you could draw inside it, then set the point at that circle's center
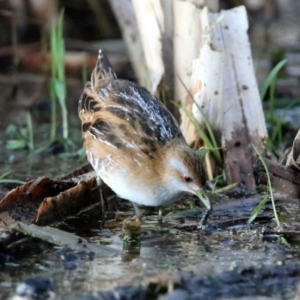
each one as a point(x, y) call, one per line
point(58, 79)
point(270, 82)
point(259, 207)
point(14, 181)
point(206, 134)
point(275, 136)
point(20, 138)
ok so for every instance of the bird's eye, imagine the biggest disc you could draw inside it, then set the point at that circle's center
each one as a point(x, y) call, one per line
point(187, 179)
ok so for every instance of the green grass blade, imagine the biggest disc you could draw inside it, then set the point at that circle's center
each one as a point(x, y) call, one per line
point(209, 140)
point(257, 209)
point(16, 144)
point(208, 126)
point(53, 42)
point(271, 78)
point(60, 24)
point(208, 144)
point(269, 185)
point(204, 199)
point(2, 181)
point(5, 174)
point(30, 132)
point(61, 58)
point(53, 110)
point(58, 80)
point(60, 92)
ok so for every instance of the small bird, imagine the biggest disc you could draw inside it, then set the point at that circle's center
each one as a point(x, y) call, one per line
point(134, 143)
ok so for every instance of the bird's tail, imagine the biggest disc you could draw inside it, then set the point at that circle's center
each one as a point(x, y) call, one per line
point(103, 69)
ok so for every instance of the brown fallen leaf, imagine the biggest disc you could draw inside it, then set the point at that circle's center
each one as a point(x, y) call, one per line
point(70, 202)
point(82, 170)
point(22, 203)
point(45, 201)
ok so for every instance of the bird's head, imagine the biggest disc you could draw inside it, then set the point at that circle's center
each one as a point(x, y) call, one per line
point(184, 169)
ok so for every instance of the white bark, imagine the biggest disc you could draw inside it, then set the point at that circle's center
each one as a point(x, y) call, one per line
point(187, 38)
point(187, 41)
point(293, 158)
point(225, 85)
point(227, 91)
point(150, 19)
point(242, 103)
point(125, 16)
point(207, 87)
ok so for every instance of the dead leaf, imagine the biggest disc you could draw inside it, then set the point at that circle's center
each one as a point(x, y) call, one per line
point(46, 201)
point(68, 203)
point(23, 202)
point(82, 170)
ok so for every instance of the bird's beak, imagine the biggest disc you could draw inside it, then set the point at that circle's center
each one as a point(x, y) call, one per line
point(204, 198)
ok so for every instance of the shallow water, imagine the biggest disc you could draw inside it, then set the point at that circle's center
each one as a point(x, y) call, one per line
point(164, 250)
point(175, 247)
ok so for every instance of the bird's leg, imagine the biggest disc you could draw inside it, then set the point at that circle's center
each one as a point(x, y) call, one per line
point(102, 199)
point(160, 215)
point(205, 200)
point(137, 211)
point(204, 217)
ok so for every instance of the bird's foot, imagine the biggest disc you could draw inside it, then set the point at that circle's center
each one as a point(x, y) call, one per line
point(204, 218)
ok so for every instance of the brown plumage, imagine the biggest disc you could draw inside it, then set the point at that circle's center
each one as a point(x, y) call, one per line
point(133, 142)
